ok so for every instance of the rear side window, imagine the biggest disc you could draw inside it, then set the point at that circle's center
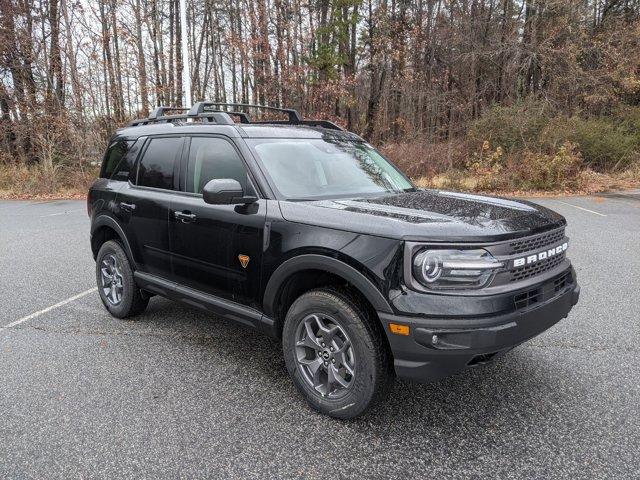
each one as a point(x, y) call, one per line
point(213, 158)
point(115, 165)
point(157, 166)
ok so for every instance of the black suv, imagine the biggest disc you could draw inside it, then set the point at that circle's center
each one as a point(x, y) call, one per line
point(306, 232)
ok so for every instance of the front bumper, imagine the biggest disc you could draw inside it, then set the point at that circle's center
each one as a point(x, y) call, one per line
point(438, 347)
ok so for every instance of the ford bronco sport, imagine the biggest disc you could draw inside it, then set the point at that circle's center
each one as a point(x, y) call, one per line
point(307, 233)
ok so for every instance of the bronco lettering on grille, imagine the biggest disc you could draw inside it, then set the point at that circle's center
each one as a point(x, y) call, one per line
point(536, 257)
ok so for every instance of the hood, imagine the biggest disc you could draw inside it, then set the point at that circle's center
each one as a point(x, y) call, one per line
point(428, 215)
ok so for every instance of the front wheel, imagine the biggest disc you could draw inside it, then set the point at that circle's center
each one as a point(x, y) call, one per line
point(336, 357)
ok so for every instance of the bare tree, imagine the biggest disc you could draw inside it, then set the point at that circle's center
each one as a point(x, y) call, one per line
point(387, 69)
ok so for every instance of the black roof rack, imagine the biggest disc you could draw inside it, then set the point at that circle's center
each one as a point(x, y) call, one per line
point(220, 118)
point(244, 117)
point(160, 111)
point(201, 107)
point(217, 112)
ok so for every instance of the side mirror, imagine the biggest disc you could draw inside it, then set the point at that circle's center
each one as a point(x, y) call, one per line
point(225, 191)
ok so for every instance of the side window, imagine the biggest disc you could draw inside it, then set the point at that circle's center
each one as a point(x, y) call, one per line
point(126, 169)
point(158, 162)
point(211, 158)
point(115, 160)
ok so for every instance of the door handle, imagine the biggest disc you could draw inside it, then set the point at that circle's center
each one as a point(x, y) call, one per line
point(127, 207)
point(185, 216)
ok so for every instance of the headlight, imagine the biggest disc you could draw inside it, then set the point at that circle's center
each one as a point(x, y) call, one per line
point(454, 269)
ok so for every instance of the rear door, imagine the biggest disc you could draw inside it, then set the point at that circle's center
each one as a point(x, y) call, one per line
point(216, 249)
point(143, 205)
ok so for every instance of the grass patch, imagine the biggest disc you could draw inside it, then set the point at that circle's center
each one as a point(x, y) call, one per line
point(587, 182)
point(61, 181)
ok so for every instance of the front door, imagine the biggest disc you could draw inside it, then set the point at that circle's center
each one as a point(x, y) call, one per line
point(216, 249)
point(143, 205)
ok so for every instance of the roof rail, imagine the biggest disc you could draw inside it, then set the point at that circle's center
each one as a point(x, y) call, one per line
point(201, 107)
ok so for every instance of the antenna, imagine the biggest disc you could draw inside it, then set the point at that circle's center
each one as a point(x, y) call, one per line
point(186, 71)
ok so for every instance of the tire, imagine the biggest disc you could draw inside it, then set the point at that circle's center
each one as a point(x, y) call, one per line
point(344, 314)
point(128, 300)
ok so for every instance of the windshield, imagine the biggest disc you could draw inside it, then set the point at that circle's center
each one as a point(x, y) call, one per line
point(324, 168)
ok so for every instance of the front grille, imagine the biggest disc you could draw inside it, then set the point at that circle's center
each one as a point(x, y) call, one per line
point(538, 242)
point(543, 292)
point(529, 271)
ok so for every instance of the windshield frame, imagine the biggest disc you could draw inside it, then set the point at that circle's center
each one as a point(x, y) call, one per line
point(251, 144)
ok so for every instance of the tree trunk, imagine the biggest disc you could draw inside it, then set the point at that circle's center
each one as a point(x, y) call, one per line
point(56, 81)
point(142, 67)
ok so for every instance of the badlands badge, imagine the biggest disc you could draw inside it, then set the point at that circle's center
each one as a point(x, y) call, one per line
point(244, 260)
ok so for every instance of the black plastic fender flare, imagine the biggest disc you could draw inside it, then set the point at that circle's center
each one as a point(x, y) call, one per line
point(107, 221)
point(328, 264)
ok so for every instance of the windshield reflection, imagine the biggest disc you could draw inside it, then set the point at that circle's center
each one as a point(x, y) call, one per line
point(331, 166)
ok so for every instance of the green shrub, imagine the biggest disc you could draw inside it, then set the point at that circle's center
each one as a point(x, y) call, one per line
point(606, 143)
point(512, 128)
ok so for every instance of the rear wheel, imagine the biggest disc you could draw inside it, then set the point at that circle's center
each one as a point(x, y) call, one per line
point(336, 357)
point(116, 286)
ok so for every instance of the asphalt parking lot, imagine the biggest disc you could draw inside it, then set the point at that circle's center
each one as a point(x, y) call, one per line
point(180, 394)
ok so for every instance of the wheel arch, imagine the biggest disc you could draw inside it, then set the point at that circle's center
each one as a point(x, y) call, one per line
point(309, 265)
point(105, 228)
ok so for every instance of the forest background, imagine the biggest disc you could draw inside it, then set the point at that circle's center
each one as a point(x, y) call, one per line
point(481, 95)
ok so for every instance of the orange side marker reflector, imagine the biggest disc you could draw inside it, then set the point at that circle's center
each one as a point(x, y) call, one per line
point(399, 329)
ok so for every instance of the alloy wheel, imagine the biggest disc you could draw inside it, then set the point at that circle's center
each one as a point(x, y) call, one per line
point(111, 278)
point(325, 355)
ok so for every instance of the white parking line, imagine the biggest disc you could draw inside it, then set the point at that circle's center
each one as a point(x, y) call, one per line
point(48, 309)
point(66, 212)
point(581, 208)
